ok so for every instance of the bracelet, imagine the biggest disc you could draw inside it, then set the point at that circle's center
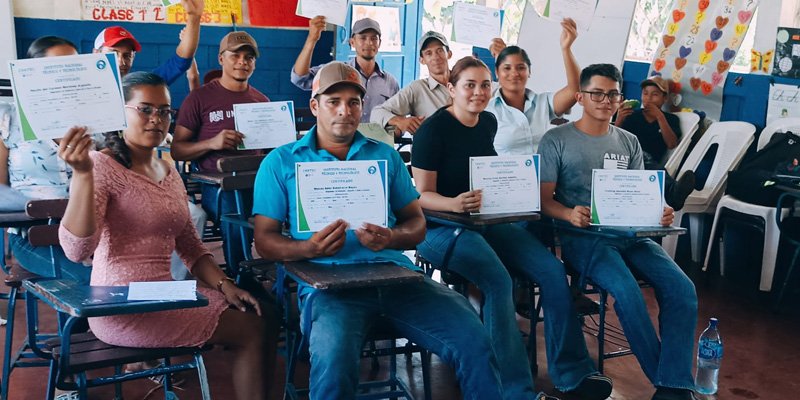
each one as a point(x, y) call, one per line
point(222, 281)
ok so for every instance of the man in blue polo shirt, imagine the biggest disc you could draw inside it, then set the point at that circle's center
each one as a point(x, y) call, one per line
point(426, 312)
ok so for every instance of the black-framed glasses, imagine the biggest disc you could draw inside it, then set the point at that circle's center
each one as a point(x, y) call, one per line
point(614, 97)
point(148, 111)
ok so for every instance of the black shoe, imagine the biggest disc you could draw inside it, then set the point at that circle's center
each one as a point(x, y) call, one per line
point(680, 190)
point(593, 387)
point(665, 393)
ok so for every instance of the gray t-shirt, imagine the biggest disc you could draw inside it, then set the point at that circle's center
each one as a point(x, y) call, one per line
point(569, 156)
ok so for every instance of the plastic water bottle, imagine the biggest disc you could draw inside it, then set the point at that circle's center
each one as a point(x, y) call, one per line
point(709, 358)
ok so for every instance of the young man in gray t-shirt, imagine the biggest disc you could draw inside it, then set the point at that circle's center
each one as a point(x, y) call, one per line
point(569, 153)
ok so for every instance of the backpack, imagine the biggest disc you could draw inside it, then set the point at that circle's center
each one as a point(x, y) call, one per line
point(779, 157)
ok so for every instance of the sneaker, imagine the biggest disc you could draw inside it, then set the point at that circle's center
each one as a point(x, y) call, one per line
point(593, 387)
point(680, 190)
point(666, 393)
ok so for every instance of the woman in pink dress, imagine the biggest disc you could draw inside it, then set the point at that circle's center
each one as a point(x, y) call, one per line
point(128, 208)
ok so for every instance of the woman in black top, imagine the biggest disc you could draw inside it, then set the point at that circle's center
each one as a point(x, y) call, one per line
point(440, 159)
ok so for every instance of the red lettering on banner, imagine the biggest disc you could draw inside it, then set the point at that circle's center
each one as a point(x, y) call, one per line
point(103, 14)
point(158, 10)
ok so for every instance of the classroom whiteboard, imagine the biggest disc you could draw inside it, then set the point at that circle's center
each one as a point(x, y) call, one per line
point(604, 42)
point(8, 46)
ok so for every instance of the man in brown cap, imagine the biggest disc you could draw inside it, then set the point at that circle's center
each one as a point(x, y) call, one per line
point(425, 312)
point(365, 38)
point(657, 131)
point(205, 129)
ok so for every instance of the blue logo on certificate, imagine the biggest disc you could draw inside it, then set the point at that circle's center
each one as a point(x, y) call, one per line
point(283, 108)
point(101, 64)
point(371, 170)
point(652, 178)
point(528, 163)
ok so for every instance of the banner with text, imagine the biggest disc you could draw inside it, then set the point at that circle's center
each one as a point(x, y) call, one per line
point(215, 11)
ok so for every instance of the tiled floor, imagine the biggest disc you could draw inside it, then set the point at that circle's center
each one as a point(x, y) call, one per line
point(762, 356)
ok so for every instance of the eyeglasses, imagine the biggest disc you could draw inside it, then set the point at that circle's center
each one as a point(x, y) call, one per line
point(614, 97)
point(148, 111)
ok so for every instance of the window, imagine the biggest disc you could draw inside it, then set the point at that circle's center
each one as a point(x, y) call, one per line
point(438, 16)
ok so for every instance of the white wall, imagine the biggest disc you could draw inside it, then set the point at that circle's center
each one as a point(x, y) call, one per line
point(8, 43)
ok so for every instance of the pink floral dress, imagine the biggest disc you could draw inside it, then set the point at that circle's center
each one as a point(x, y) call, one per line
point(139, 223)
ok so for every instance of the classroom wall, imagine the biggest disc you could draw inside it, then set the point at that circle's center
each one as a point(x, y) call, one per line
point(278, 47)
point(746, 101)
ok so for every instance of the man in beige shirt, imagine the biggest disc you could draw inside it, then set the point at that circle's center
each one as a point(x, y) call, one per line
point(406, 110)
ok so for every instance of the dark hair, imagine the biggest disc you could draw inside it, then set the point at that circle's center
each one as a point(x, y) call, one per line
point(39, 47)
point(511, 50)
point(463, 64)
point(114, 140)
point(606, 70)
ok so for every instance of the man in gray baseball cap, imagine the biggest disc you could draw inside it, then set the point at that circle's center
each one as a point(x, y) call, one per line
point(365, 38)
point(406, 110)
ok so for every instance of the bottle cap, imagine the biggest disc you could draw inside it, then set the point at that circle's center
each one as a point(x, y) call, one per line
point(713, 322)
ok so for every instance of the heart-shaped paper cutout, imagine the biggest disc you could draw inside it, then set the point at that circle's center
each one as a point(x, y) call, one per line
point(728, 54)
point(672, 28)
point(680, 63)
point(710, 46)
point(675, 87)
point(668, 40)
point(721, 22)
point(699, 17)
point(715, 34)
point(723, 66)
point(677, 15)
point(676, 75)
point(744, 16)
point(658, 64)
point(716, 78)
point(684, 51)
point(740, 29)
point(702, 5)
point(694, 83)
point(706, 88)
point(704, 57)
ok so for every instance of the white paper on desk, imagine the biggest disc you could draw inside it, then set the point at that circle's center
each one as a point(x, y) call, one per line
point(265, 125)
point(475, 25)
point(627, 197)
point(163, 290)
point(355, 191)
point(510, 184)
point(53, 94)
point(582, 11)
point(335, 11)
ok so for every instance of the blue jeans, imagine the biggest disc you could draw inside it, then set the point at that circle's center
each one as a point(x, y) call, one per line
point(38, 261)
point(426, 313)
point(611, 263)
point(231, 238)
point(485, 258)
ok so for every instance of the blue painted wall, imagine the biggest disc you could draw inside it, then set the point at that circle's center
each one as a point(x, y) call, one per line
point(278, 48)
point(745, 102)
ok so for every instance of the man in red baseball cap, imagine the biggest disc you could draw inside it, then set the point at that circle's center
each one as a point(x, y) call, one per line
point(120, 41)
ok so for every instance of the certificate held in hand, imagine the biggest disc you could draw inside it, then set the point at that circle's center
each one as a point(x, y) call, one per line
point(627, 197)
point(510, 184)
point(354, 191)
point(265, 125)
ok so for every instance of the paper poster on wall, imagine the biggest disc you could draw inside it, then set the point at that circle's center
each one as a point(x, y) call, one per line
point(698, 45)
point(214, 11)
point(784, 102)
point(389, 20)
point(275, 13)
point(787, 53)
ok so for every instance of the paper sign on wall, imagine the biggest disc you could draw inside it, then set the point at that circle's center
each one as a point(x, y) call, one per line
point(170, 11)
point(784, 101)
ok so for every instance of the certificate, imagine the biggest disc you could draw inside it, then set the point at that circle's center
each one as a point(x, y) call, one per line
point(475, 25)
point(53, 94)
point(335, 11)
point(627, 197)
point(355, 191)
point(375, 131)
point(581, 11)
point(510, 184)
point(265, 125)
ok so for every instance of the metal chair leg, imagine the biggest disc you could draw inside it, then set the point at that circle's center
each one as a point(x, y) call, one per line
point(12, 303)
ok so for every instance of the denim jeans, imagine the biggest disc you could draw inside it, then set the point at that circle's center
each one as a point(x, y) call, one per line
point(611, 263)
point(427, 313)
point(231, 238)
point(38, 261)
point(485, 258)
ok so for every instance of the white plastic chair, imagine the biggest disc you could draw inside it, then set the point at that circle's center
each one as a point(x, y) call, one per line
point(733, 138)
point(771, 232)
point(689, 124)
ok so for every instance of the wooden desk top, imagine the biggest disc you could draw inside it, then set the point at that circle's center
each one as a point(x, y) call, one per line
point(468, 220)
point(350, 276)
point(15, 219)
point(94, 301)
point(638, 231)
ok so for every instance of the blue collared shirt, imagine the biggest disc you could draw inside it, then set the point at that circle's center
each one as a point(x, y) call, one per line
point(380, 85)
point(275, 196)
